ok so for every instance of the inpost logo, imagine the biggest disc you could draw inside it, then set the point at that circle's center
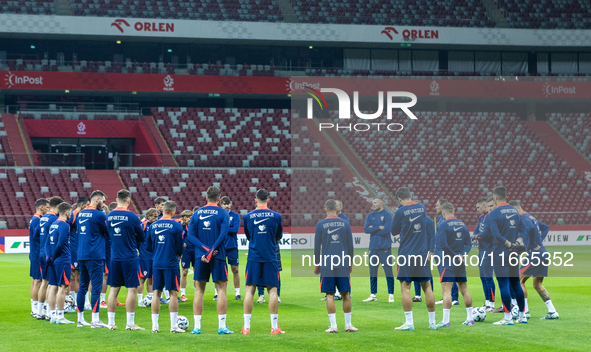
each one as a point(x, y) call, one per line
point(11, 79)
point(344, 109)
point(550, 89)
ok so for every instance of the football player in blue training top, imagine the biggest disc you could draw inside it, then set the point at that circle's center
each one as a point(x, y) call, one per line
point(535, 232)
point(484, 259)
point(333, 239)
point(188, 258)
point(263, 228)
point(166, 242)
point(145, 258)
point(437, 219)
point(453, 239)
point(92, 239)
point(414, 253)
point(75, 281)
point(41, 233)
point(41, 207)
point(208, 230)
point(57, 257)
point(379, 225)
point(504, 225)
point(231, 246)
point(125, 230)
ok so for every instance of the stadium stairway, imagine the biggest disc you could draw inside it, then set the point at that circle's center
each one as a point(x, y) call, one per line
point(16, 140)
point(560, 146)
point(152, 128)
point(107, 181)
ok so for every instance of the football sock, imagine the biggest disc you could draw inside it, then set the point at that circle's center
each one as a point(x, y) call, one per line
point(222, 320)
point(347, 319)
point(81, 316)
point(182, 291)
point(173, 319)
point(247, 320)
point(333, 320)
point(103, 296)
point(95, 317)
point(34, 305)
point(197, 321)
point(60, 314)
point(140, 296)
point(513, 301)
point(155, 321)
point(167, 294)
point(130, 319)
point(419, 297)
point(336, 293)
point(526, 307)
point(550, 306)
point(39, 308)
point(507, 316)
point(487, 303)
point(52, 314)
point(73, 294)
point(274, 318)
point(408, 316)
point(216, 291)
point(111, 317)
point(446, 315)
point(236, 291)
point(469, 313)
point(432, 320)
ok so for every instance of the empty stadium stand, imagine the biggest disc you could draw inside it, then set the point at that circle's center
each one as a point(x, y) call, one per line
point(575, 128)
point(448, 13)
point(552, 14)
point(39, 7)
point(21, 187)
point(6, 157)
point(218, 10)
point(462, 156)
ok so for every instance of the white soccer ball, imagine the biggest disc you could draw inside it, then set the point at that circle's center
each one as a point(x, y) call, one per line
point(515, 312)
point(478, 314)
point(147, 300)
point(182, 322)
point(69, 299)
point(67, 306)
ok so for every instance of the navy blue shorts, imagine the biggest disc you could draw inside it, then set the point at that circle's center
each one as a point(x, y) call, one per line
point(232, 255)
point(328, 284)
point(43, 268)
point(452, 273)
point(145, 267)
point(537, 264)
point(188, 258)
point(216, 268)
point(35, 270)
point(124, 273)
point(486, 267)
point(412, 272)
point(168, 278)
point(262, 274)
point(502, 267)
point(59, 274)
point(74, 260)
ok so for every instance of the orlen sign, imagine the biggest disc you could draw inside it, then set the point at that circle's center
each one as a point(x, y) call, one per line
point(12, 79)
point(411, 33)
point(145, 26)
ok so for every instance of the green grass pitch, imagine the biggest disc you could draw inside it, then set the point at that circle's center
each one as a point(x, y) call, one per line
point(303, 316)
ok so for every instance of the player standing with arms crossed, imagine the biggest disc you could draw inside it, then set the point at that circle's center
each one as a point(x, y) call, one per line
point(35, 271)
point(409, 222)
point(166, 242)
point(231, 245)
point(453, 238)
point(333, 237)
point(57, 257)
point(484, 250)
point(92, 238)
point(126, 235)
point(207, 232)
point(263, 228)
point(379, 225)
